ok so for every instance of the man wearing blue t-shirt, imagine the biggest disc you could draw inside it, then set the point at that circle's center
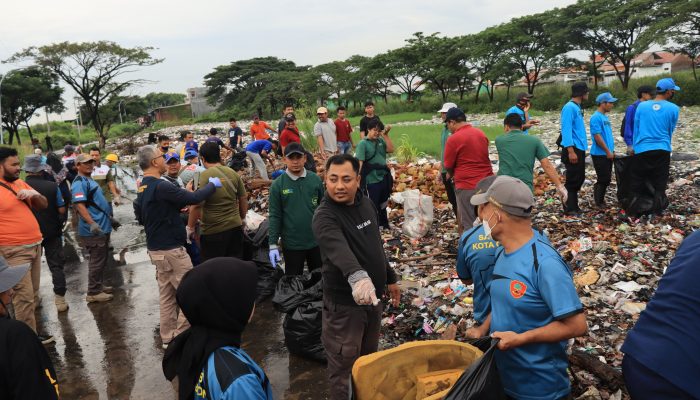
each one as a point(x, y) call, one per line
point(602, 146)
point(574, 143)
point(94, 227)
point(258, 149)
point(654, 123)
point(661, 352)
point(534, 305)
point(475, 258)
point(522, 108)
point(644, 93)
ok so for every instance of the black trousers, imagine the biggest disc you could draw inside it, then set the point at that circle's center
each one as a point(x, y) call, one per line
point(294, 260)
point(575, 175)
point(649, 176)
point(603, 169)
point(450, 190)
point(53, 250)
point(379, 194)
point(228, 243)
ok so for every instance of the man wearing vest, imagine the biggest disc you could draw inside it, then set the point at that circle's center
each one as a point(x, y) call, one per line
point(534, 305)
point(51, 221)
point(20, 237)
point(157, 208)
point(94, 227)
point(574, 143)
point(294, 197)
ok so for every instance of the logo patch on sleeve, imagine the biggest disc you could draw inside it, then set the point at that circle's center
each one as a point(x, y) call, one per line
point(517, 289)
point(79, 196)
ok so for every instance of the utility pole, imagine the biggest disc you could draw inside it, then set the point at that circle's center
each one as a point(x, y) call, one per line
point(119, 107)
point(79, 118)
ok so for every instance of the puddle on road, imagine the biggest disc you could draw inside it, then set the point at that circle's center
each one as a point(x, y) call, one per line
point(113, 351)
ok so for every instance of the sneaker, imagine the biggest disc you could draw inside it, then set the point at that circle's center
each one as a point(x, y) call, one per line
point(45, 339)
point(61, 305)
point(107, 289)
point(100, 297)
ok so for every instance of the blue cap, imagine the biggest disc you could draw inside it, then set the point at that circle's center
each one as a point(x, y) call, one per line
point(171, 155)
point(666, 84)
point(454, 113)
point(191, 153)
point(605, 98)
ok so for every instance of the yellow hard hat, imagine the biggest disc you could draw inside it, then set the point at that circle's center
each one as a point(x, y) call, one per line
point(112, 157)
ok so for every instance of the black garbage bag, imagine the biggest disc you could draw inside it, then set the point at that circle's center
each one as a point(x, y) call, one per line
point(238, 161)
point(302, 331)
point(648, 200)
point(481, 381)
point(292, 291)
point(256, 248)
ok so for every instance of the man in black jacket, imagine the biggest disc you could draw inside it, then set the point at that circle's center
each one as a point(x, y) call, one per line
point(51, 221)
point(157, 208)
point(355, 271)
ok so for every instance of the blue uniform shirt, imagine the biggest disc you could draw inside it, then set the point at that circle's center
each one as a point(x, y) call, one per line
point(519, 111)
point(600, 125)
point(82, 189)
point(573, 128)
point(475, 259)
point(230, 374)
point(665, 338)
point(530, 288)
point(629, 122)
point(654, 123)
point(258, 146)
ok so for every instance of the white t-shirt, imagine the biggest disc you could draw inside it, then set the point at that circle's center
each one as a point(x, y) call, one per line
point(327, 131)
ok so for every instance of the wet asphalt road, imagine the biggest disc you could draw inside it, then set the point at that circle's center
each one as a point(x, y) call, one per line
point(113, 350)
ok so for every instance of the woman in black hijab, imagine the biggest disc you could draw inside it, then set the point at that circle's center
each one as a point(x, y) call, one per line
point(218, 299)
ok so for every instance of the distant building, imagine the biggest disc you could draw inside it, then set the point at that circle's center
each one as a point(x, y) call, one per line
point(172, 113)
point(196, 98)
point(651, 63)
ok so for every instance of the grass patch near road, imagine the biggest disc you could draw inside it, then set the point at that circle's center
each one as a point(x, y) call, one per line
point(426, 138)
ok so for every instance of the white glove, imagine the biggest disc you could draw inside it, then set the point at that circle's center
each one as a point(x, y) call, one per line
point(95, 229)
point(363, 291)
point(563, 193)
point(189, 232)
point(25, 194)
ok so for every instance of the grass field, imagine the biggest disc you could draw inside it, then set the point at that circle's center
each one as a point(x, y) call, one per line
point(427, 137)
point(394, 118)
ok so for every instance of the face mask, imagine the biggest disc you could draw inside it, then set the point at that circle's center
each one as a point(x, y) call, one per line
point(477, 222)
point(165, 149)
point(488, 228)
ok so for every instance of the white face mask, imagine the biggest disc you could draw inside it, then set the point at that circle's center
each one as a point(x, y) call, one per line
point(477, 222)
point(488, 228)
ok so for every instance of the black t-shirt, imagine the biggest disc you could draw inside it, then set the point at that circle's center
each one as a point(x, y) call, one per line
point(365, 121)
point(233, 135)
point(26, 371)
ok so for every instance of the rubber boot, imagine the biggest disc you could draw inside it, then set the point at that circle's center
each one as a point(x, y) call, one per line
point(599, 195)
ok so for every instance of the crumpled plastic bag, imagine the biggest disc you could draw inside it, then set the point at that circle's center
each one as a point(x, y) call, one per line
point(418, 213)
point(481, 381)
point(294, 290)
point(302, 331)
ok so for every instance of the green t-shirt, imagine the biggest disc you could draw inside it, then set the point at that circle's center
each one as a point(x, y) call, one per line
point(443, 141)
point(220, 211)
point(373, 151)
point(517, 154)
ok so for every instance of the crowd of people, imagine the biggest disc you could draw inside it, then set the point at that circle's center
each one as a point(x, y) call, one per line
point(193, 209)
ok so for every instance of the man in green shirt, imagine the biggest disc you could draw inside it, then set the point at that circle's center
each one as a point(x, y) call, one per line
point(294, 197)
point(221, 214)
point(517, 154)
point(376, 177)
point(448, 182)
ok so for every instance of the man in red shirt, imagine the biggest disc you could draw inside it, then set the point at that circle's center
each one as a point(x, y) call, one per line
point(467, 162)
point(290, 133)
point(20, 236)
point(343, 132)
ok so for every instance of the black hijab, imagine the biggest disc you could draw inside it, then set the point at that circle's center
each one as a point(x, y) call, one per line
point(217, 297)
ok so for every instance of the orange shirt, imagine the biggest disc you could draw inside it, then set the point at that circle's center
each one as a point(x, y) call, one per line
point(18, 226)
point(258, 131)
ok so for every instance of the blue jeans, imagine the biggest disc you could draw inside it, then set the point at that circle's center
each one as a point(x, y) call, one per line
point(344, 147)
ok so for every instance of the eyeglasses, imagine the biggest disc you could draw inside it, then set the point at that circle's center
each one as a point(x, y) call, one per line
point(160, 156)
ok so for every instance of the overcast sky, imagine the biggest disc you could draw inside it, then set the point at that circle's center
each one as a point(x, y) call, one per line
point(195, 36)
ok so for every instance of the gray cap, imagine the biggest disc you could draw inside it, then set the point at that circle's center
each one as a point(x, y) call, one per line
point(32, 163)
point(509, 194)
point(10, 276)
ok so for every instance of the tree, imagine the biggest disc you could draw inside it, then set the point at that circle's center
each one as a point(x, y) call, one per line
point(94, 70)
point(401, 66)
point(159, 99)
point(23, 93)
point(618, 29)
point(683, 29)
point(530, 42)
point(333, 76)
point(378, 77)
point(478, 54)
point(437, 67)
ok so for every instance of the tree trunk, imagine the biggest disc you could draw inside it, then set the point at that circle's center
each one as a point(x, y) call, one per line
point(695, 75)
point(508, 91)
point(478, 90)
point(595, 70)
point(29, 130)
